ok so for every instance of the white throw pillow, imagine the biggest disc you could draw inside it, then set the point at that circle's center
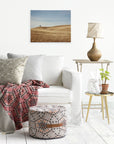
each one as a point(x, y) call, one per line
point(33, 68)
point(52, 69)
point(3, 56)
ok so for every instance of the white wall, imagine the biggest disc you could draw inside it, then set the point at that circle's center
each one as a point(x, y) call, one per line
point(15, 28)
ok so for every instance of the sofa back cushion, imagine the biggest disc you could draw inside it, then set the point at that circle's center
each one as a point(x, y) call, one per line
point(33, 68)
point(41, 67)
point(11, 70)
point(52, 69)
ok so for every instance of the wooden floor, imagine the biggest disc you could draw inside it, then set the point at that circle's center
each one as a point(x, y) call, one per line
point(95, 131)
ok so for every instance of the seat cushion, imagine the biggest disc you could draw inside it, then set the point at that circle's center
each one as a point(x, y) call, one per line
point(55, 94)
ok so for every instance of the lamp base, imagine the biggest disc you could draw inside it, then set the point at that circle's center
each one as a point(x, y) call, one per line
point(94, 54)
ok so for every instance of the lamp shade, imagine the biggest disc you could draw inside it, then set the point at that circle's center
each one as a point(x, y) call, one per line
point(94, 30)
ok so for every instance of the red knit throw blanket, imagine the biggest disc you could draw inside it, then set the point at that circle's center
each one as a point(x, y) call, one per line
point(16, 99)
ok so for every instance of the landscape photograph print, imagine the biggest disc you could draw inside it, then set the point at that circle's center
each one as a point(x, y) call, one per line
point(50, 26)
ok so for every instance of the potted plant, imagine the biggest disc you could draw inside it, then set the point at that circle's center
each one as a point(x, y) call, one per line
point(104, 77)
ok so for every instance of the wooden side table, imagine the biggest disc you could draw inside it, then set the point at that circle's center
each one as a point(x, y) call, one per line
point(80, 62)
point(103, 96)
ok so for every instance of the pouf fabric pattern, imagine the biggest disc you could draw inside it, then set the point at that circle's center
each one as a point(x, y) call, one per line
point(47, 121)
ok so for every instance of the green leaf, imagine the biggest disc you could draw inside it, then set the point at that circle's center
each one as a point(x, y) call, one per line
point(101, 73)
point(107, 72)
point(101, 70)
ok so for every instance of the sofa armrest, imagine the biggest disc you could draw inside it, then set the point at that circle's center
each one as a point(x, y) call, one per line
point(72, 80)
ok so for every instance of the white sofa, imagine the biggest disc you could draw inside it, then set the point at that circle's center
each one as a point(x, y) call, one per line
point(65, 85)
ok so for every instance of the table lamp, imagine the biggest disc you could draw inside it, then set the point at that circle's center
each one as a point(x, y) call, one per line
point(94, 31)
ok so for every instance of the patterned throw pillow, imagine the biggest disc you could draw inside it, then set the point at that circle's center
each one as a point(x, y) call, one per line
point(11, 70)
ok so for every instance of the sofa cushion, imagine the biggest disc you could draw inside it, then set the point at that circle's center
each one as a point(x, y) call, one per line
point(33, 66)
point(52, 69)
point(55, 94)
point(11, 70)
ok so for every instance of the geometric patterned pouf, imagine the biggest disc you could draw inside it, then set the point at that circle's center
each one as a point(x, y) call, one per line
point(47, 121)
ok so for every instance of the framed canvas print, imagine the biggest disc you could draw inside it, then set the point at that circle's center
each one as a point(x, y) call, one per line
point(50, 26)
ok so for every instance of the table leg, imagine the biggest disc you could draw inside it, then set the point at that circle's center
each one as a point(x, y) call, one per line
point(102, 106)
point(82, 110)
point(105, 113)
point(88, 107)
point(77, 67)
point(107, 109)
point(81, 67)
